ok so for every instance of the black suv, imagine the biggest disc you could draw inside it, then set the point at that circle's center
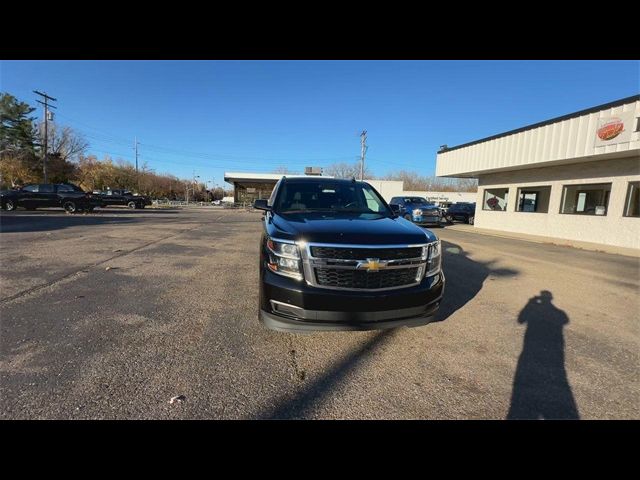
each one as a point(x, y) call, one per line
point(334, 256)
point(464, 212)
point(417, 209)
point(124, 197)
point(66, 195)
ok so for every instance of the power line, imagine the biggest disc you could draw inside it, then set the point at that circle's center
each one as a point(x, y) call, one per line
point(108, 138)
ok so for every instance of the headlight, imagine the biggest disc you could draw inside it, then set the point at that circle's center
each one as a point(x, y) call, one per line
point(284, 259)
point(433, 259)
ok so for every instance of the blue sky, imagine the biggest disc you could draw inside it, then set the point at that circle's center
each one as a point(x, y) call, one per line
point(212, 116)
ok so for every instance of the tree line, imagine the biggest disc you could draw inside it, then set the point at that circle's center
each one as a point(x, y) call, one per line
point(21, 160)
point(413, 181)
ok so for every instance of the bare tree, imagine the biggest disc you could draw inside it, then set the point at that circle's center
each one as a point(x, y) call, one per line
point(347, 170)
point(66, 142)
point(413, 181)
point(282, 169)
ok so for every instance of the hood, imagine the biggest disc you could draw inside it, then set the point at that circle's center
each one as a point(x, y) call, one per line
point(353, 229)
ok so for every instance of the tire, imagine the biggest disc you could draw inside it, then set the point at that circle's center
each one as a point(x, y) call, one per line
point(407, 217)
point(449, 219)
point(132, 205)
point(9, 205)
point(470, 219)
point(70, 206)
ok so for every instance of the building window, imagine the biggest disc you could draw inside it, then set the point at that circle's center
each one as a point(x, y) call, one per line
point(586, 199)
point(533, 199)
point(495, 199)
point(632, 204)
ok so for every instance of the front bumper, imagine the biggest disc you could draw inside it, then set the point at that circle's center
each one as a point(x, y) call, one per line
point(287, 305)
point(427, 219)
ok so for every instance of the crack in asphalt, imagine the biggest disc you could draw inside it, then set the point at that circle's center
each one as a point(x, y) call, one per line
point(37, 288)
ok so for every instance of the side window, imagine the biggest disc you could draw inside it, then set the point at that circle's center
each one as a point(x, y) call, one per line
point(372, 203)
point(31, 188)
point(272, 197)
point(45, 188)
point(65, 188)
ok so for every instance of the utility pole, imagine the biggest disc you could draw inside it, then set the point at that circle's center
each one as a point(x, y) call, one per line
point(363, 150)
point(135, 147)
point(46, 129)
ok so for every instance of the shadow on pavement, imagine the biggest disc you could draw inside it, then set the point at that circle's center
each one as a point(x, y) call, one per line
point(41, 223)
point(316, 392)
point(541, 389)
point(465, 278)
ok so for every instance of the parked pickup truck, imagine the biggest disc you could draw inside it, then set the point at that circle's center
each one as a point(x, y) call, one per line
point(124, 197)
point(45, 195)
point(418, 210)
point(334, 256)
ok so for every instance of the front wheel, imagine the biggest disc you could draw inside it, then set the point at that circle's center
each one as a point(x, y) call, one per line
point(470, 220)
point(70, 207)
point(9, 205)
point(449, 219)
point(131, 205)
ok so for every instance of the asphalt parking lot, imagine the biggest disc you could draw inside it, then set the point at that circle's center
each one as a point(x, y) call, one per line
point(110, 315)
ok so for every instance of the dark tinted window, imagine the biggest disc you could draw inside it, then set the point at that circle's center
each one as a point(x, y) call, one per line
point(329, 196)
point(46, 188)
point(65, 188)
point(31, 188)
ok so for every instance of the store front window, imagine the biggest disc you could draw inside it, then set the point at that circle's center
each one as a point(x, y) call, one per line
point(590, 199)
point(495, 199)
point(533, 199)
point(632, 205)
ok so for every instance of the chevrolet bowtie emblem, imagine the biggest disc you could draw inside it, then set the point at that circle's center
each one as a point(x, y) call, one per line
point(372, 265)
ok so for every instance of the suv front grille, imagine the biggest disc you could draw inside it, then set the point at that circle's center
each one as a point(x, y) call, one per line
point(345, 253)
point(347, 278)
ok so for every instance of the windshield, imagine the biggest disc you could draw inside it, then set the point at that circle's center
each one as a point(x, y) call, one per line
point(328, 196)
point(417, 201)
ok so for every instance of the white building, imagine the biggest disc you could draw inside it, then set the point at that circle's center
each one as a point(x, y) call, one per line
point(441, 198)
point(575, 177)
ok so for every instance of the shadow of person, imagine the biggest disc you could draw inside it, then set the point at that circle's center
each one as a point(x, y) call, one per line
point(540, 387)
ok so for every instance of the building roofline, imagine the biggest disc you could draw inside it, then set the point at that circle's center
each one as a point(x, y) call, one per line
point(604, 106)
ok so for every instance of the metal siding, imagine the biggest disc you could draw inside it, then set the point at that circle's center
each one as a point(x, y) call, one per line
point(567, 139)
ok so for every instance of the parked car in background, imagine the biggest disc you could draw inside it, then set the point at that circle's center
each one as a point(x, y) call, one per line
point(463, 212)
point(124, 197)
point(417, 209)
point(46, 195)
point(444, 208)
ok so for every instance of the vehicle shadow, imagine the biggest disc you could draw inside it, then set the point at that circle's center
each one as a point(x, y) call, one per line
point(541, 389)
point(43, 223)
point(316, 392)
point(464, 278)
point(135, 211)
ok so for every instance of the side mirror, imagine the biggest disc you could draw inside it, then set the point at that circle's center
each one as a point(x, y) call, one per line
point(261, 205)
point(395, 208)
